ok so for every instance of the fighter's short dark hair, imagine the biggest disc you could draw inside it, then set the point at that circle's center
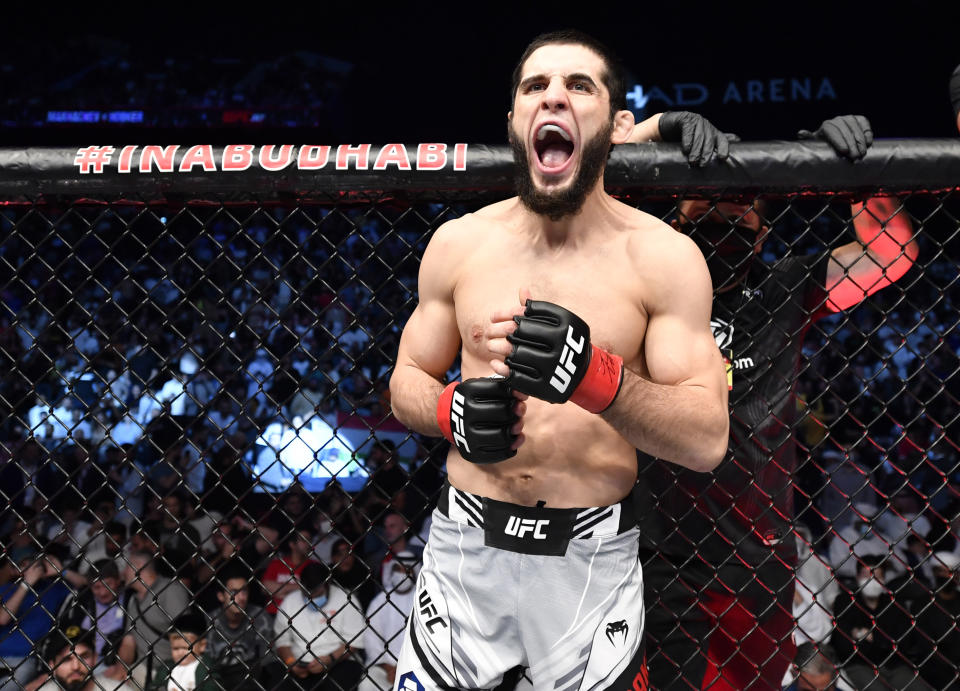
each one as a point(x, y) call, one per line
point(613, 78)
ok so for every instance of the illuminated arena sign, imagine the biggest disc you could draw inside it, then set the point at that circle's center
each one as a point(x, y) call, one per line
point(795, 89)
point(271, 158)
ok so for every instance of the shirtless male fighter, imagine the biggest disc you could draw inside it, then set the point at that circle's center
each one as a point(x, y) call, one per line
point(532, 560)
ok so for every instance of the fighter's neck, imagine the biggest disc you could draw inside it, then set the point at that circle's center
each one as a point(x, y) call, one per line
point(596, 212)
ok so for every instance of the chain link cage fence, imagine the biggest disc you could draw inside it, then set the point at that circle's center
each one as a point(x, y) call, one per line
point(196, 434)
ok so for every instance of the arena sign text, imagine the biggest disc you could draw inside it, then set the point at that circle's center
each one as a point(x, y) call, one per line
point(269, 157)
point(795, 89)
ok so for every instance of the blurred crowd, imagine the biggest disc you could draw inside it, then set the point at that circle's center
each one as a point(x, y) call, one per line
point(191, 89)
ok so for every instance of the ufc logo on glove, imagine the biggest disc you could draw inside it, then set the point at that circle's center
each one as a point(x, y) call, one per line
point(566, 368)
point(553, 359)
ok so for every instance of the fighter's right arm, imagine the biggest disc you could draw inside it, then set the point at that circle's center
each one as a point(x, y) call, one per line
point(430, 340)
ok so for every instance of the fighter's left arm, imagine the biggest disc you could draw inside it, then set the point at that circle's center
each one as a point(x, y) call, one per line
point(677, 411)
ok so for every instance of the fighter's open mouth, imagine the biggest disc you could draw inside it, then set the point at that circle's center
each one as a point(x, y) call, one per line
point(553, 146)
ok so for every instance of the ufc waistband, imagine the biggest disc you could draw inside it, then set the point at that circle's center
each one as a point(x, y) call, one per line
point(534, 529)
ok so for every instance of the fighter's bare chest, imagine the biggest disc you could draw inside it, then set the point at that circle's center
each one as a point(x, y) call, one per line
point(602, 293)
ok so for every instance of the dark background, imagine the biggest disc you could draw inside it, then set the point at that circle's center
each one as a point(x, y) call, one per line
point(432, 72)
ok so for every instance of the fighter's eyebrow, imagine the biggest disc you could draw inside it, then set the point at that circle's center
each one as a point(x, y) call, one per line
point(575, 77)
point(581, 77)
point(531, 80)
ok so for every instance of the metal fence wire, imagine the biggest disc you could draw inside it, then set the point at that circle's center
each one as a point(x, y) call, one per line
point(197, 442)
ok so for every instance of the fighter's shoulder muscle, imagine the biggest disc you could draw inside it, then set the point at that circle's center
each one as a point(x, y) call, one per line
point(449, 250)
point(457, 238)
point(667, 261)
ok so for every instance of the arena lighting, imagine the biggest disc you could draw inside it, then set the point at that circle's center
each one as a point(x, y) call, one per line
point(308, 452)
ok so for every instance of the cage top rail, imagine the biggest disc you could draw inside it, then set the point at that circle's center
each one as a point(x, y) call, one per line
point(245, 171)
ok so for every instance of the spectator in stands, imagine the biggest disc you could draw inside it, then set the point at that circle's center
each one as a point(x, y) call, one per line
point(325, 537)
point(915, 582)
point(386, 619)
point(99, 608)
point(227, 480)
point(935, 640)
point(222, 554)
point(93, 539)
point(903, 518)
point(145, 537)
point(259, 374)
point(260, 541)
point(21, 541)
point(9, 571)
point(200, 518)
point(295, 503)
point(814, 669)
point(393, 538)
point(352, 574)
point(319, 631)
point(179, 541)
point(189, 668)
point(870, 628)
point(240, 633)
point(857, 539)
point(816, 589)
point(224, 417)
point(24, 478)
point(386, 479)
point(27, 615)
point(71, 660)
point(341, 507)
point(70, 528)
point(281, 576)
point(156, 602)
point(306, 402)
point(848, 483)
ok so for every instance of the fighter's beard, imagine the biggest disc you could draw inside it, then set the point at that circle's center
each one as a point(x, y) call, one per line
point(567, 201)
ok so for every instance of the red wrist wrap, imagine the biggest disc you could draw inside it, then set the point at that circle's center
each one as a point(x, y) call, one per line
point(601, 383)
point(443, 410)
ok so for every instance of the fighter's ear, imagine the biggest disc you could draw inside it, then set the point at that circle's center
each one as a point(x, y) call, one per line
point(622, 127)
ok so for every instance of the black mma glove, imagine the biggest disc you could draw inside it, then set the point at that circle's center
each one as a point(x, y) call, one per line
point(553, 360)
point(849, 135)
point(476, 416)
point(698, 137)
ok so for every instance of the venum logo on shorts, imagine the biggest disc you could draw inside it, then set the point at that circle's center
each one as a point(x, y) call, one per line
point(409, 682)
point(566, 367)
point(617, 630)
point(456, 421)
point(519, 527)
point(429, 612)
